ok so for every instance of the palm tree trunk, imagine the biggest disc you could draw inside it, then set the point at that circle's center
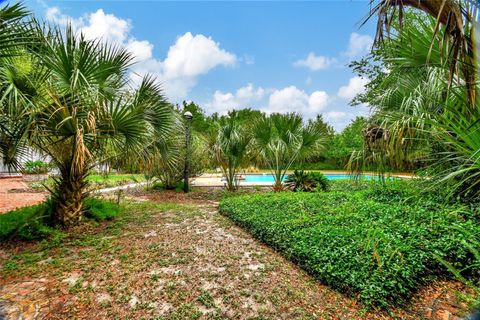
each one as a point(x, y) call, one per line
point(68, 197)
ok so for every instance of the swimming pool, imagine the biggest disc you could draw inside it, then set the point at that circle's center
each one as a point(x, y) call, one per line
point(268, 178)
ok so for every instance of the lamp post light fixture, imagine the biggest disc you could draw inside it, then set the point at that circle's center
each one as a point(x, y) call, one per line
point(188, 118)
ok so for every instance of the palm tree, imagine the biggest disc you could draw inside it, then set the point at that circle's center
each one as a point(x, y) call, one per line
point(420, 114)
point(15, 33)
point(281, 139)
point(231, 146)
point(77, 109)
point(455, 20)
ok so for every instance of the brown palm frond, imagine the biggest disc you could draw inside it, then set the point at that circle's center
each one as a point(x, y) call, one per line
point(457, 19)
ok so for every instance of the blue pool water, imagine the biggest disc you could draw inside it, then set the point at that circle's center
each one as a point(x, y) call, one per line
point(268, 178)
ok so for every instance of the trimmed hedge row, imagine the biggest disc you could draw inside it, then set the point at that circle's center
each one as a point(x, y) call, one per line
point(359, 244)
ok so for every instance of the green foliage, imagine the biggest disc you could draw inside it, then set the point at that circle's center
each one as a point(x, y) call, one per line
point(100, 210)
point(34, 222)
point(307, 181)
point(27, 223)
point(230, 146)
point(281, 139)
point(178, 186)
point(356, 242)
point(341, 145)
point(35, 167)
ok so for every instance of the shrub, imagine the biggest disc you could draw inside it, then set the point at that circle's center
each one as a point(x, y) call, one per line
point(307, 181)
point(379, 252)
point(178, 186)
point(35, 167)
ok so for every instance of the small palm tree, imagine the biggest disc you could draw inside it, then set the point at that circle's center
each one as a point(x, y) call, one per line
point(231, 147)
point(76, 108)
point(281, 139)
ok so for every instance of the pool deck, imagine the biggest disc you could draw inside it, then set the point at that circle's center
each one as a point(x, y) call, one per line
point(215, 179)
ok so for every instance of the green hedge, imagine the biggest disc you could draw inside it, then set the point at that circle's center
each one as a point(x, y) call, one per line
point(359, 243)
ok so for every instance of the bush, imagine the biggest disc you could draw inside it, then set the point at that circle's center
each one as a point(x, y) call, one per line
point(32, 223)
point(35, 167)
point(178, 186)
point(379, 252)
point(307, 181)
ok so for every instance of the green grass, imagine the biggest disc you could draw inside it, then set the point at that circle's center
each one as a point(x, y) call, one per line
point(31, 223)
point(373, 242)
point(113, 180)
point(99, 181)
point(26, 223)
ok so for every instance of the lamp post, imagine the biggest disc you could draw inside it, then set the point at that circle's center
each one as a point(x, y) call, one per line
point(188, 117)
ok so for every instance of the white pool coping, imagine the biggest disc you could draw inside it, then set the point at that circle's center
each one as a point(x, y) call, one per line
point(215, 179)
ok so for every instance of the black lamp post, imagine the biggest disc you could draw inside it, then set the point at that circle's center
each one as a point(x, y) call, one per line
point(188, 117)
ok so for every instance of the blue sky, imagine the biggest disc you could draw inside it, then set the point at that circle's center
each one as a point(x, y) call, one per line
point(272, 56)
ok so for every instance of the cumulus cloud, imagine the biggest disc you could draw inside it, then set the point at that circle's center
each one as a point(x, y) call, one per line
point(244, 97)
point(358, 45)
point(355, 86)
point(290, 99)
point(191, 56)
point(314, 62)
point(94, 25)
point(195, 55)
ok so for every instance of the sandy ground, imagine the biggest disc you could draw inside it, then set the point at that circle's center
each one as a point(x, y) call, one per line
point(14, 193)
point(173, 256)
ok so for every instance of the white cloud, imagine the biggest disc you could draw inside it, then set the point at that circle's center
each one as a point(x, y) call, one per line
point(288, 99)
point(93, 25)
point(358, 45)
point(243, 98)
point(314, 62)
point(191, 56)
point(106, 26)
point(141, 50)
point(188, 58)
point(355, 86)
point(292, 99)
point(318, 100)
point(335, 116)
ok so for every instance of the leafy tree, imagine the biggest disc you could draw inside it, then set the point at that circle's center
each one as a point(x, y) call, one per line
point(343, 144)
point(200, 121)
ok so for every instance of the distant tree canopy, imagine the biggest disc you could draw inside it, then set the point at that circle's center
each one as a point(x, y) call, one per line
point(338, 147)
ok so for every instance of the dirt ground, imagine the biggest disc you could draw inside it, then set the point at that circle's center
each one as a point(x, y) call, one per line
point(171, 256)
point(14, 193)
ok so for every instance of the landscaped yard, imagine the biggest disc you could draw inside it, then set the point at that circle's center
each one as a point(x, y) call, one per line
point(153, 239)
point(173, 256)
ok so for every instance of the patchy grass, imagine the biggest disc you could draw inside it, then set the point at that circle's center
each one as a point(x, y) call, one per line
point(168, 260)
point(96, 181)
point(31, 223)
point(112, 180)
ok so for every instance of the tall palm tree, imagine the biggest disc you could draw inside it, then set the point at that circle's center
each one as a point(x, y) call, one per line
point(77, 109)
point(281, 139)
